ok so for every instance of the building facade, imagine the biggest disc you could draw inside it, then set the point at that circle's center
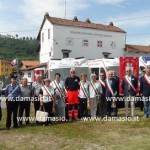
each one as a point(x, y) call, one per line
point(5, 68)
point(62, 38)
point(137, 50)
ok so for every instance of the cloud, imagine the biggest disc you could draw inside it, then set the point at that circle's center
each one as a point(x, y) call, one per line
point(28, 14)
point(136, 19)
point(110, 2)
point(34, 10)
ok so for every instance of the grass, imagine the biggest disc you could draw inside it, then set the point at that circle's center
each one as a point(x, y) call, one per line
point(102, 135)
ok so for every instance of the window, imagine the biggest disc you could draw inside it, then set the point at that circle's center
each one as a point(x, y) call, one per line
point(85, 43)
point(29, 75)
point(99, 43)
point(65, 55)
point(42, 37)
point(48, 33)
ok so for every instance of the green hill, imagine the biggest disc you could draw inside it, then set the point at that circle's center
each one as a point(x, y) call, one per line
point(24, 48)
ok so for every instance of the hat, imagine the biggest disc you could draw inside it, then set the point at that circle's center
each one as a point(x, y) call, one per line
point(12, 76)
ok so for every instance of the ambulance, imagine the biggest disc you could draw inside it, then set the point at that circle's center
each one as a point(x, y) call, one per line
point(63, 67)
point(98, 65)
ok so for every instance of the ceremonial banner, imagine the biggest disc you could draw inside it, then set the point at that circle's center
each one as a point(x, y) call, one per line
point(133, 63)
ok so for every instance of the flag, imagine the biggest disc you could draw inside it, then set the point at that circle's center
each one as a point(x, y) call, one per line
point(14, 62)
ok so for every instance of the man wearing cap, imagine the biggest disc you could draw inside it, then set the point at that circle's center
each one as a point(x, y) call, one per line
point(72, 86)
point(12, 94)
point(36, 86)
point(129, 85)
point(145, 91)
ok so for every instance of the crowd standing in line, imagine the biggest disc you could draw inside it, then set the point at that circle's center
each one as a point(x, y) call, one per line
point(78, 97)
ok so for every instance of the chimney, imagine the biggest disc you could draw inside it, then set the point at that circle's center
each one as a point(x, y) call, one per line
point(46, 15)
point(75, 18)
point(88, 20)
point(111, 24)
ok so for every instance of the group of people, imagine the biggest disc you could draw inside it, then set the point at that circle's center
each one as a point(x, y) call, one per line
point(76, 97)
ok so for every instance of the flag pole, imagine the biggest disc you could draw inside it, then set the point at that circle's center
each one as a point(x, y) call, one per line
point(65, 9)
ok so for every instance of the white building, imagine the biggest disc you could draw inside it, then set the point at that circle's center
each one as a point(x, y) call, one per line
point(31, 72)
point(62, 38)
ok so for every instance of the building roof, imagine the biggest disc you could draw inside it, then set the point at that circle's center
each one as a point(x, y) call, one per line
point(32, 68)
point(76, 23)
point(137, 48)
point(27, 63)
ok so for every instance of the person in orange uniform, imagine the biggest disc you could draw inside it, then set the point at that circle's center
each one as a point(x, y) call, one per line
point(72, 87)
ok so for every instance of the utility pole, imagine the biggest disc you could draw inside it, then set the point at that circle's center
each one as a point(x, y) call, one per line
point(65, 9)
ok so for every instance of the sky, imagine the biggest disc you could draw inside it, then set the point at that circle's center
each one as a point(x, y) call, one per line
point(24, 17)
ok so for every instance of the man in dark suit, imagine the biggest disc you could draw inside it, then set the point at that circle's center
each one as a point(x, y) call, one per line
point(145, 91)
point(0, 105)
point(101, 110)
point(129, 85)
point(117, 78)
point(110, 94)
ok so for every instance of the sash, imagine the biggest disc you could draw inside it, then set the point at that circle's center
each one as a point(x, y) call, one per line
point(48, 92)
point(110, 88)
point(147, 79)
point(130, 83)
point(84, 90)
point(94, 88)
point(102, 83)
point(58, 87)
point(12, 92)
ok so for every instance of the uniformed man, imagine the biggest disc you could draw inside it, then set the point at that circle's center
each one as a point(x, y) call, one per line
point(72, 86)
point(25, 101)
point(36, 87)
point(145, 91)
point(12, 94)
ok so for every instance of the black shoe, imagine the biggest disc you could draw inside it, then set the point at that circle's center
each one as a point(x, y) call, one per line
point(8, 128)
point(15, 126)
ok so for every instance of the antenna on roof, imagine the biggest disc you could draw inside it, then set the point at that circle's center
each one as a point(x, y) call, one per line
point(65, 9)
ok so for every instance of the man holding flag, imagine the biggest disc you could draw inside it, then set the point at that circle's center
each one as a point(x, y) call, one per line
point(129, 85)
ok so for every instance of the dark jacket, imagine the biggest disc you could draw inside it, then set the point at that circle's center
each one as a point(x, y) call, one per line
point(114, 87)
point(103, 90)
point(125, 86)
point(0, 107)
point(144, 87)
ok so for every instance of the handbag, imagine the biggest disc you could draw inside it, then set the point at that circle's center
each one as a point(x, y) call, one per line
point(41, 116)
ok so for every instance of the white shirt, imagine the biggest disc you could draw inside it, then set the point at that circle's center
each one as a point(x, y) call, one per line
point(86, 87)
point(128, 77)
point(60, 85)
point(36, 86)
point(92, 91)
point(46, 97)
